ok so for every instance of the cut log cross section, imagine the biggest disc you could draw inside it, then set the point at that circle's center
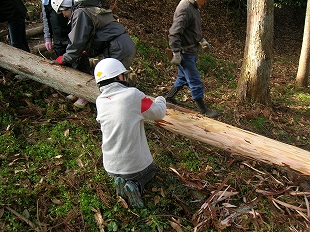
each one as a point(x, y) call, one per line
point(178, 120)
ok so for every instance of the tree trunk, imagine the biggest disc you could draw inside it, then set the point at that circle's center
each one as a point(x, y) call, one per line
point(177, 119)
point(253, 84)
point(303, 67)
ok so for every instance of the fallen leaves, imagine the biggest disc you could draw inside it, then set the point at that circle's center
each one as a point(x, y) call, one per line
point(176, 225)
point(223, 207)
point(56, 201)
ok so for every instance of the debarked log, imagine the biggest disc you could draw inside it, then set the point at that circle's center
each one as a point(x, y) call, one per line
point(178, 120)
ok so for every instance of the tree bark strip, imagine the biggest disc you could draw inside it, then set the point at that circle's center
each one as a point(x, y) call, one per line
point(177, 119)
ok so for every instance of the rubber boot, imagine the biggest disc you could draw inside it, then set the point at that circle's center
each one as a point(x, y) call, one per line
point(205, 111)
point(170, 95)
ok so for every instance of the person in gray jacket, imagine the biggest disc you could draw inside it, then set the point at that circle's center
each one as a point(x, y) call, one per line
point(185, 38)
point(121, 112)
point(94, 32)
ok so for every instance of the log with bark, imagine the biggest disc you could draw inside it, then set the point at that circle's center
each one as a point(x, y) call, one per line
point(178, 120)
point(29, 32)
point(34, 31)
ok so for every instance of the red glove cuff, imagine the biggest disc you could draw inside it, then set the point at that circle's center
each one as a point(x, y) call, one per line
point(59, 60)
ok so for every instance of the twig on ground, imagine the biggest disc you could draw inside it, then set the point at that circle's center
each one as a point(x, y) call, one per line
point(248, 165)
point(21, 217)
point(288, 205)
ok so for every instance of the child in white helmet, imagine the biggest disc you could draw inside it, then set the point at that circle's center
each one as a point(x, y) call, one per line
point(121, 111)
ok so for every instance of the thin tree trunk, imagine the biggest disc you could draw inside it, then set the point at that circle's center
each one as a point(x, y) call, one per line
point(179, 120)
point(304, 66)
point(253, 84)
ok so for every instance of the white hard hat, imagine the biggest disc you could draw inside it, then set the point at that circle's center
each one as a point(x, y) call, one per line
point(58, 5)
point(108, 68)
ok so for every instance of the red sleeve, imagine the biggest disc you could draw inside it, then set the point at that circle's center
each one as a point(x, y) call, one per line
point(146, 104)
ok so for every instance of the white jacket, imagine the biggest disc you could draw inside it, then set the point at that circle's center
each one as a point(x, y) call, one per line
point(121, 112)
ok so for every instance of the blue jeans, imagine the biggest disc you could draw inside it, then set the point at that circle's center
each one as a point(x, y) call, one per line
point(188, 75)
point(142, 177)
point(17, 31)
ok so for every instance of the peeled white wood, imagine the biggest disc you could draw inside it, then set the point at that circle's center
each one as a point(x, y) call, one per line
point(236, 140)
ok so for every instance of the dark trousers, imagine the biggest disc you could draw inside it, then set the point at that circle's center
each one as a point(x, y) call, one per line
point(17, 31)
point(142, 177)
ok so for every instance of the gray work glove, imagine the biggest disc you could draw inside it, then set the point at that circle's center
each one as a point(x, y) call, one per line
point(204, 44)
point(176, 59)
